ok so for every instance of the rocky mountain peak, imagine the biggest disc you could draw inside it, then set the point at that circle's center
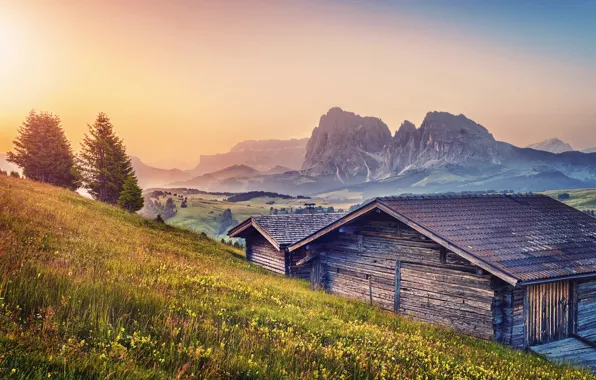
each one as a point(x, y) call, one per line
point(455, 127)
point(346, 145)
point(553, 145)
point(406, 127)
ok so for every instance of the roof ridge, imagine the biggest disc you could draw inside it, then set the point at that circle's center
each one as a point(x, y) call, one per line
point(457, 196)
point(298, 215)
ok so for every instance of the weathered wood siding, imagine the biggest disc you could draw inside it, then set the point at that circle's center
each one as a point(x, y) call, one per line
point(436, 286)
point(508, 314)
point(586, 309)
point(259, 251)
point(446, 295)
point(302, 271)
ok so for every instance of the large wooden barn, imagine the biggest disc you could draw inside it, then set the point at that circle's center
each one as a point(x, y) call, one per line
point(267, 238)
point(518, 269)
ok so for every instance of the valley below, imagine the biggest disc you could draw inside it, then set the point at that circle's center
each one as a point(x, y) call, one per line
point(360, 154)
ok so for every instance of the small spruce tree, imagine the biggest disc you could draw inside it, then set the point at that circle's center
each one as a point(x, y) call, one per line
point(104, 163)
point(131, 197)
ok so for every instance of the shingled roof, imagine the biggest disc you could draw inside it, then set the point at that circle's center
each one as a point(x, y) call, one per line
point(521, 237)
point(286, 229)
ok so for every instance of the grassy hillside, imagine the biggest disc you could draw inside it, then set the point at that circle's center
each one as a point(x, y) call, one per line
point(90, 291)
point(582, 199)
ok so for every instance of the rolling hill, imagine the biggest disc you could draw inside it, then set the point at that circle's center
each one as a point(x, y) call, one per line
point(149, 176)
point(90, 291)
point(214, 180)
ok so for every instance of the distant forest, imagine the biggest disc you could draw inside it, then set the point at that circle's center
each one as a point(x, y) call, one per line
point(243, 197)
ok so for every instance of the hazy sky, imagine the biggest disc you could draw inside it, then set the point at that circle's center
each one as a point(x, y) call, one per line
point(184, 78)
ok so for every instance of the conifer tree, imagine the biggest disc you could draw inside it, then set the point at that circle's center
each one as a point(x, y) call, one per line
point(131, 197)
point(43, 152)
point(104, 163)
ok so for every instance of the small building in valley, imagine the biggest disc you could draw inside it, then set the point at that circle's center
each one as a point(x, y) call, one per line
point(517, 269)
point(268, 236)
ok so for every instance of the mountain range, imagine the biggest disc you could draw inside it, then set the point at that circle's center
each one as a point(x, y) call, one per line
point(446, 152)
point(265, 157)
point(261, 155)
point(359, 154)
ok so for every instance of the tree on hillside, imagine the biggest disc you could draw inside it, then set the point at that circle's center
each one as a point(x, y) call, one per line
point(43, 152)
point(104, 163)
point(131, 197)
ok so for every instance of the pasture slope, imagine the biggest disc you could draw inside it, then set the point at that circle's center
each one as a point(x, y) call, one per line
point(89, 291)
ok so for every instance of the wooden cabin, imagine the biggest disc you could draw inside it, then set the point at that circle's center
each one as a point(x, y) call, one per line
point(517, 269)
point(267, 238)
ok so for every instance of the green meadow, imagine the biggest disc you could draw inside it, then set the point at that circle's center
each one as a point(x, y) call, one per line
point(204, 211)
point(582, 199)
point(90, 291)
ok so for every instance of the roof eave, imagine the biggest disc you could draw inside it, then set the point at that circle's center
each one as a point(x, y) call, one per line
point(251, 222)
point(338, 223)
point(239, 228)
point(576, 276)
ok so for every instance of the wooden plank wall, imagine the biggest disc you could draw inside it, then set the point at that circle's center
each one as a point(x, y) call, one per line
point(448, 296)
point(508, 314)
point(259, 251)
point(547, 312)
point(502, 312)
point(302, 271)
point(359, 262)
point(586, 309)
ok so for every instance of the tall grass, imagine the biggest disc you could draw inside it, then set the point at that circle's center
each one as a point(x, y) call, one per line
point(89, 291)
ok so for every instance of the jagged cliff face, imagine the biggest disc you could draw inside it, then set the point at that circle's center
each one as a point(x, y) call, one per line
point(442, 139)
point(347, 146)
point(446, 153)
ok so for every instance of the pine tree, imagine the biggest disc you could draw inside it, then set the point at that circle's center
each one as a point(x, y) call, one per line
point(131, 197)
point(104, 163)
point(43, 152)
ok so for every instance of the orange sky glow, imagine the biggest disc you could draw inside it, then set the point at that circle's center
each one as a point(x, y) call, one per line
point(185, 78)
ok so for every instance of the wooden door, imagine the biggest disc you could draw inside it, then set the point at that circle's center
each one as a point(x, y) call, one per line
point(547, 312)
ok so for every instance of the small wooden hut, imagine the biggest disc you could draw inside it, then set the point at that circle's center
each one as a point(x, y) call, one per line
point(267, 238)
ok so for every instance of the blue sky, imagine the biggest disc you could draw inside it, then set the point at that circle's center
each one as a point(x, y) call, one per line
point(565, 29)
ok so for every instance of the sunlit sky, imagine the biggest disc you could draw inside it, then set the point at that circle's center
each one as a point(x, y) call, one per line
point(185, 78)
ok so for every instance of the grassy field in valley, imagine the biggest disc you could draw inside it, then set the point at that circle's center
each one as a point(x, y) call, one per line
point(582, 199)
point(89, 291)
point(204, 211)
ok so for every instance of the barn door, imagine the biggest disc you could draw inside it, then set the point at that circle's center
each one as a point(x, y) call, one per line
point(548, 312)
